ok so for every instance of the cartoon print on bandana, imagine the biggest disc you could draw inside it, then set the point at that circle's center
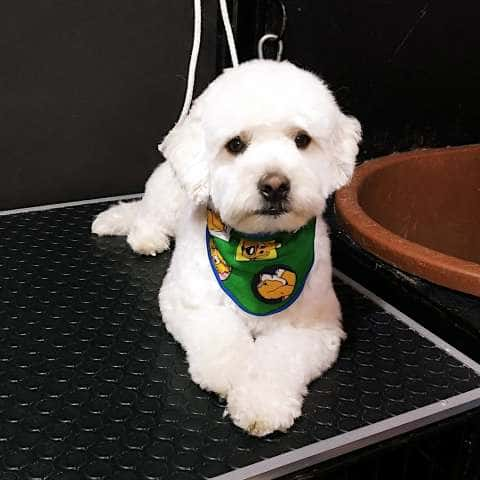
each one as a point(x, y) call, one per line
point(257, 250)
point(216, 226)
point(274, 284)
point(222, 267)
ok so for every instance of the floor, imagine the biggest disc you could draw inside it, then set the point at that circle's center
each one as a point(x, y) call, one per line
point(93, 386)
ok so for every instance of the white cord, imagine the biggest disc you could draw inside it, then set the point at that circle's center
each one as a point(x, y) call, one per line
point(197, 33)
point(229, 32)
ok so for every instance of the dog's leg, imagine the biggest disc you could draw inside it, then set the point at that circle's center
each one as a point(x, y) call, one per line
point(150, 222)
point(116, 220)
point(269, 395)
point(217, 343)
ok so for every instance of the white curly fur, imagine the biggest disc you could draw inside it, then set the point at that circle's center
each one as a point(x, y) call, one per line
point(260, 365)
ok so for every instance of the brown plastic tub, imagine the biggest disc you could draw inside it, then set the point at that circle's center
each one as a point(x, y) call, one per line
point(419, 211)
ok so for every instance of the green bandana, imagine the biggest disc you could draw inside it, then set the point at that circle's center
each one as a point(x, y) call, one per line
point(262, 275)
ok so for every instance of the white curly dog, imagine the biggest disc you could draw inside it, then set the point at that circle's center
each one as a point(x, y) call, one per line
point(263, 147)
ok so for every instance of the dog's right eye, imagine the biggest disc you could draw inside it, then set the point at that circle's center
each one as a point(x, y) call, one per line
point(302, 140)
point(236, 145)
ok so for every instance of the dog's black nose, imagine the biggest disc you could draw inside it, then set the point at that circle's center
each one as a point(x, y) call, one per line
point(274, 187)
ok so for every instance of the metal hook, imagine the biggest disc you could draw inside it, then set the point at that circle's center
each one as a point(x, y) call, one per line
point(266, 37)
point(278, 38)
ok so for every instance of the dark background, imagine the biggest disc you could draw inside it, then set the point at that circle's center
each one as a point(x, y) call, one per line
point(409, 70)
point(88, 88)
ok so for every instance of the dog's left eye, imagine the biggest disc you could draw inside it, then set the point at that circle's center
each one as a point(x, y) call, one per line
point(302, 140)
point(236, 145)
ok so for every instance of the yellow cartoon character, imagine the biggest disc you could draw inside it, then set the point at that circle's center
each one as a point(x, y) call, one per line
point(216, 227)
point(256, 250)
point(221, 266)
point(278, 285)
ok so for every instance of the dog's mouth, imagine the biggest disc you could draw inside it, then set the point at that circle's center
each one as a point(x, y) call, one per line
point(274, 210)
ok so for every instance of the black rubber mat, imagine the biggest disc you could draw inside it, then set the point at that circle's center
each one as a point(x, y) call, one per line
point(92, 386)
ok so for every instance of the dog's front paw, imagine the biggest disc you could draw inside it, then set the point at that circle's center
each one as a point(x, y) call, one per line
point(211, 379)
point(261, 409)
point(148, 243)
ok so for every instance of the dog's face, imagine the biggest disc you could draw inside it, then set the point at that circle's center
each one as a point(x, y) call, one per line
point(265, 144)
point(270, 177)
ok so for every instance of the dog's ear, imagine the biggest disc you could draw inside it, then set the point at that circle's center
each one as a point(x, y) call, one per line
point(185, 149)
point(344, 148)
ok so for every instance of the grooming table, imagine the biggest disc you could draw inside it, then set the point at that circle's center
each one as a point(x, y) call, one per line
point(92, 386)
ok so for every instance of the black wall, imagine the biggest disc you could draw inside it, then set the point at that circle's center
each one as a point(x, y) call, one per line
point(88, 89)
point(409, 70)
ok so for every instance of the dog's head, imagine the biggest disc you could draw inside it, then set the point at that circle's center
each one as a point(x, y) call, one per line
point(265, 144)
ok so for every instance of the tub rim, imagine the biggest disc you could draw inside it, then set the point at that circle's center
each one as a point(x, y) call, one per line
point(411, 257)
